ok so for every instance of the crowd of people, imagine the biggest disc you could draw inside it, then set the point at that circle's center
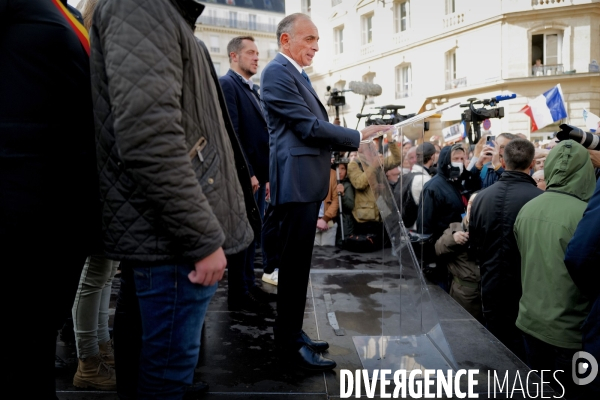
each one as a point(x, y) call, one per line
point(123, 150)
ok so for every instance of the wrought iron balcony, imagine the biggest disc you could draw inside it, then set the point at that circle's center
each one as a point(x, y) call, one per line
point(543, 70)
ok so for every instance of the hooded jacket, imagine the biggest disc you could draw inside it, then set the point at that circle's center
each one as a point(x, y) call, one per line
point(552, 308)
point(443, 201)
point(167, 151)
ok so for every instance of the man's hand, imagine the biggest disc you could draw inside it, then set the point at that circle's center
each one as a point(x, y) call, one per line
point(255, 184)
point(486, 156)
point(374, 130)
point(461, 237)
point(210, 269)
point(479, 147)
point(595, 157)
point(322, 225)
point(267, 192)
point(340, 189)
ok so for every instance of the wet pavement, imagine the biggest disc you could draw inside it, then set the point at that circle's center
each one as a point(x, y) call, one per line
point(238, 359)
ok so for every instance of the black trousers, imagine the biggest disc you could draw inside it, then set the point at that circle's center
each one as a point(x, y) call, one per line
point(297, 226)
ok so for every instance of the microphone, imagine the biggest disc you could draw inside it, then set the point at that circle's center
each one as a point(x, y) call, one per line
point(501, 97)
point(365, 88)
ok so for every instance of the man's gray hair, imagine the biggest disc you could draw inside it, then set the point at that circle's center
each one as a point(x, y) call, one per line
point(286, 25)
point(236, 44)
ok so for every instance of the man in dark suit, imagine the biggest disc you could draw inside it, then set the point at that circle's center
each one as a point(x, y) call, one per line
point(301, 139)
point(245, 111)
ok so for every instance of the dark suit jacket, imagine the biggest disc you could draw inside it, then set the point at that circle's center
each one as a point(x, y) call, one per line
point(301, 138)
point(249, 124)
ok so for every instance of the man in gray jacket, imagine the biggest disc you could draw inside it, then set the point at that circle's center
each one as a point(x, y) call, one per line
point(173, 205)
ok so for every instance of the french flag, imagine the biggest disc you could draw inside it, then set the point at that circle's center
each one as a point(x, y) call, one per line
point(546, 108)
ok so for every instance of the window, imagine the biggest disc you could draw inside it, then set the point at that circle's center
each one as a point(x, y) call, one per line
point(252, 22)
point(338, 37)
point(367, 28)
point(450, 7)
point(305, 6)
point(451, 65)
point(214, 44)
point(403, 81)
point(546, 47)
point(401, 16)
point(233, 19)
point(217, 66)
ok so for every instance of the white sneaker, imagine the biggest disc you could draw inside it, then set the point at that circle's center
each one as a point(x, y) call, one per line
point(272, 277)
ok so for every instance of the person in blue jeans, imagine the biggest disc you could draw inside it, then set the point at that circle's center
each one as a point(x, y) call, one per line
point(174, 186)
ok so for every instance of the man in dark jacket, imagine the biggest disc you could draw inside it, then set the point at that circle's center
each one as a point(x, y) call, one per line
point(48, 180)
point(491, 229)
point(444, 200)
point(245, 110)
point(173, 202)
point(581, 259)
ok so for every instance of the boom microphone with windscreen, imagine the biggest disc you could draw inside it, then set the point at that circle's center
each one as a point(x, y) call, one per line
point(365, 88)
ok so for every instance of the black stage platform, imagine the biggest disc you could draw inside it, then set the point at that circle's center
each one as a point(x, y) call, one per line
point(239, 361)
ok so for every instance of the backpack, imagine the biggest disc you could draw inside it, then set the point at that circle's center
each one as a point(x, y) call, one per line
point(410, 209)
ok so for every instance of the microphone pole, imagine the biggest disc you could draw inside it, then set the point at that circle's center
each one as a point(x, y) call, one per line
point(361, 111)
point(337, 174)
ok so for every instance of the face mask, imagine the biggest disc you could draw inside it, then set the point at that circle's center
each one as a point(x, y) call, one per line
point(458, 165)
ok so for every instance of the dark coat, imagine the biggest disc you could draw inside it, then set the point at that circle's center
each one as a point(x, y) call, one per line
point(300, 152)
point(444, 197)
point(249, 123)
point(493, 215)
point(48, 178)
point(582, 258)
point(168, 157)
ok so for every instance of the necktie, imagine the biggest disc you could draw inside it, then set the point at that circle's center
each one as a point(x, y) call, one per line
point(255, 91)
point(306, 77)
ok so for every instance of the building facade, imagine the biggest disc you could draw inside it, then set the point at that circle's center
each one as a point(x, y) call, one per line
point(427, 53)
point(222, 20)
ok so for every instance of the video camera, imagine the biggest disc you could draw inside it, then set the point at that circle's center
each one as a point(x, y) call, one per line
point(387, 115)
point(587, 139)
point(477, 116)
point(338, 159)
point(336, 97)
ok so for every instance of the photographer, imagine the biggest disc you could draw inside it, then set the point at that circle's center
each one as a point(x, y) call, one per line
point(552, 309)
point(346, 192)
point(365, 211)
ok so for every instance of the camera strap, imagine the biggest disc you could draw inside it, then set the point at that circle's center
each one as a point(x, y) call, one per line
point(77, 26)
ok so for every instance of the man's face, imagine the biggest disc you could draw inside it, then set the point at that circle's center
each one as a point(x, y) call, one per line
point(247, 59)
point(342, 170)
point(393, 175)
point(458, 156)
point(302, 43)
point(410, 159)
point(539, 164)
point(501, 143)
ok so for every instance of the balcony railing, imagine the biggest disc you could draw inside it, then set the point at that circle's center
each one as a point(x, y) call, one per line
point(367, 49)
point(543, 70)
point(546, 2)
point(452, 20)
point(403, 94)
point(236, 24)
point(456, 83)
